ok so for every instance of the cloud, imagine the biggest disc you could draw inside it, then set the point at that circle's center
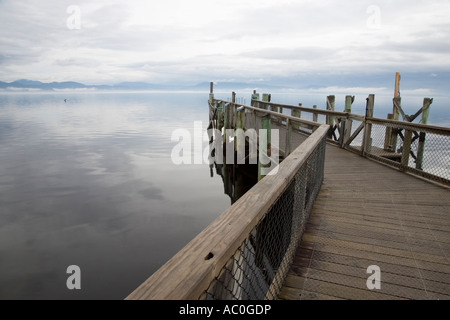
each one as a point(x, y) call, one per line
point(200, 40)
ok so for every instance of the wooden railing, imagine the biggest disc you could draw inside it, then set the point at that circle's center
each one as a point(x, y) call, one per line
point(246, 253)
point(419, 149)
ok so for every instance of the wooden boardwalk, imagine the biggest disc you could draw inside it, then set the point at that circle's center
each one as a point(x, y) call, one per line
point(369, 214)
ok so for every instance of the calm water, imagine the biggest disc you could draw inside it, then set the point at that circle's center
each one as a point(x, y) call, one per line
point(90, 182)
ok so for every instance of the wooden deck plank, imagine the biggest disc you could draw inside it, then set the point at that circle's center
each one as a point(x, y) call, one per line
point(368, 214)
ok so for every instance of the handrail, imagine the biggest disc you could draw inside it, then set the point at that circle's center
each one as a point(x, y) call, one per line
point(274, 113)
point(188, 274)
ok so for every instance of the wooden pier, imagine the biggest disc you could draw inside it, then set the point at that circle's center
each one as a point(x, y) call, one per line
point(369, 214)
point(356, 201)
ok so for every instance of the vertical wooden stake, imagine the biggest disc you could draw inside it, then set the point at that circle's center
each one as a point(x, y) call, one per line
point(406, 149)
point(211, 92)
point(265, 98)
point(315, 115)
point(265, 124)
point(348, 122)
point(392, 145)
point(233, 110)
point(367, 139)
point(295, 113)
point(397, 85)
point(220, 116)
point(330, 119)
point(388, 135)
point(287, 151)
point(395, 116)
point(240, 137)
point(255, 96)
point(421, 146)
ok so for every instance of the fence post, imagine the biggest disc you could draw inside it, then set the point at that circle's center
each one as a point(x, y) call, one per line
point(287, 151)
point(395, 116)
point(265, 124)
point(406, 149)
point(330, 119)
point(220, 112)
point(367, 140)
point(265, 98)
point(315, 116)
point(388, 134)
point(421, 146)
point(240, 136)
point(295, 113)
point(211, 92)
point(348, 122)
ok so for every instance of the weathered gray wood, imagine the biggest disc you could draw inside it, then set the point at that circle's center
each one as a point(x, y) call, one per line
point(264, 156)
point(306, 123)
point(445, 131)
point(211, 92)
point(388, 134)
point(395, 221)
point(330, 118)
point(421, 145)
point(367, 139)
point(347, 123)
point(288, 137)
point(354, 135)
point(240, 138)
point(311, 110)
point(187, 274)
point(396, 115)
point(315, 115)
point(406, 148)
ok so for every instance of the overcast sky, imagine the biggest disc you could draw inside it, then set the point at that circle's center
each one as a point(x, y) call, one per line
point(191, 41)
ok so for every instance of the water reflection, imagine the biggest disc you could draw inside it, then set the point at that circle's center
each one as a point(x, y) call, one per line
point(237, 179)
point(90, 182)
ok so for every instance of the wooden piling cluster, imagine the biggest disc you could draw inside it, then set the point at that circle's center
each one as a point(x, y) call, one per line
point(195, 270)
point(344, 133)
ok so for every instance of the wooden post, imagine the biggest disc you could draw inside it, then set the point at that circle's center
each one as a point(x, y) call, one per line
point(397, 85)
point(220, 113)
point(330, 119)
point(265, 98)
point(287, 150)
point(367, 140)
point(295, 113)
point(395, 116)
point(406, 149)
point(388, 135)
point(255, 96)
point(233, 110)
point(265, 124)
point(348, 122)
point(240, 136)
point(421, 146)
point(315, 115)
point(211, 92)
point(391, 143)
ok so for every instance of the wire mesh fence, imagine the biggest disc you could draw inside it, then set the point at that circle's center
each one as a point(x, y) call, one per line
point(258, 267)
point(421, 149)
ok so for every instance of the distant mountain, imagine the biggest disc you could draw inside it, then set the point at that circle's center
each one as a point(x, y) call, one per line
point(30, 84)
point(203, 86)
